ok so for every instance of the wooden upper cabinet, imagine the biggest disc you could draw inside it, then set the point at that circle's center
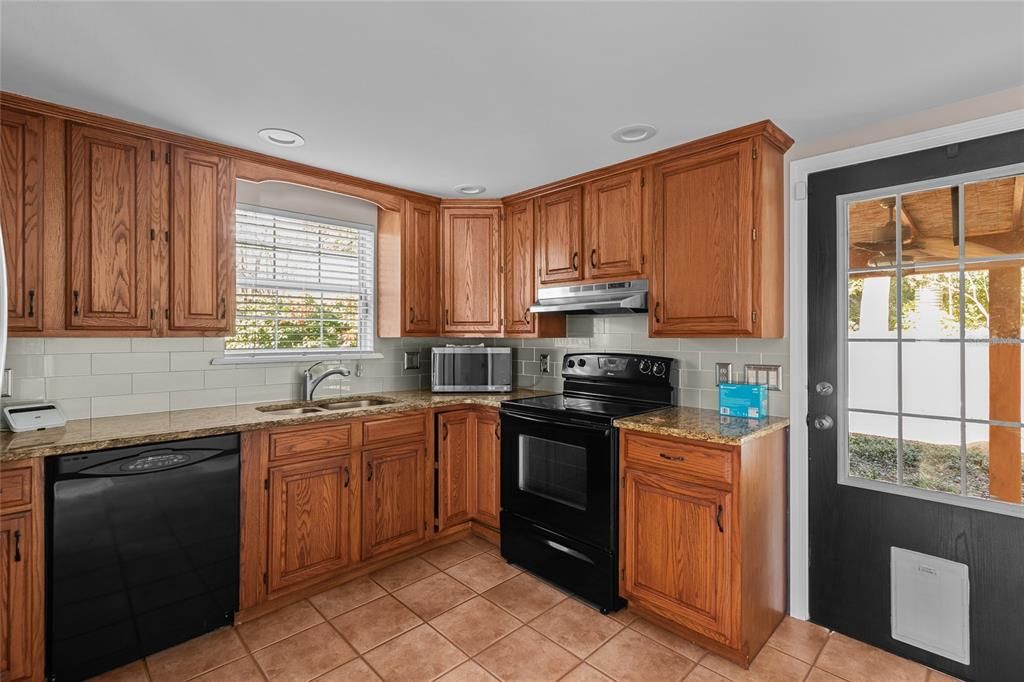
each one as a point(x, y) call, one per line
point(393, 490)
point(455, 479)
point(311, 520)
point(471, 270)
point(202, 253)
point(21, 216)
point(676, 541)
point(420, 276)
point(560, 236)
point(487, 499)
point(613, 227)
point(520, 269)
point(110, 220)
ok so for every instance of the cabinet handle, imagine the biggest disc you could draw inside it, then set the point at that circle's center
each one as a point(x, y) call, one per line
point(74, 295)
point(31, 302)
point(575, 260)
point(593, 258)
point(412, 315)
point(674, 458)
point(447, 318)
point(17, 545)
point(369, 471)
point(657, 312)
point(718, 519)
point(223, 307)
point(497, 432)
point(444, 432)
point(348, 476)
point(526, 314)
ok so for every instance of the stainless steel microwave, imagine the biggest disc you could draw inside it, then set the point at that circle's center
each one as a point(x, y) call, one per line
point(471, 369)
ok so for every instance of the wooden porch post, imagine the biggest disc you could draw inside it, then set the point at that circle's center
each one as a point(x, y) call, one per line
point(1004, 465)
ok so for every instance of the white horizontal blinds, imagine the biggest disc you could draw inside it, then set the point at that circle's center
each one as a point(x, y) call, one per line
point(304, 284)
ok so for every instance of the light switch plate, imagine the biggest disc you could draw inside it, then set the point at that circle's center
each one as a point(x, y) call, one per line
point(411, 359)
point(723, 373)
point(769, 375)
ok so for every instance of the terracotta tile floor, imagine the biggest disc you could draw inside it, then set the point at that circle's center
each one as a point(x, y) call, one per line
point(461, 613)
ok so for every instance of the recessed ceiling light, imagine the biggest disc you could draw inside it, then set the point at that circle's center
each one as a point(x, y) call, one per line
point(281, 137)
point(471, 189)
point(638, 132)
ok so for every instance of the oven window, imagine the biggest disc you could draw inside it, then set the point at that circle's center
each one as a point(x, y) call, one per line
point(554, 470)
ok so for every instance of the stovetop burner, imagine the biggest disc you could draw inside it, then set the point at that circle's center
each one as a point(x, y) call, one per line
point(586, 406)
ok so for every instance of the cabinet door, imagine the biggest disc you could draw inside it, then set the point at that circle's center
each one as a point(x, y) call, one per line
point(393, 492)
point(488, 466)
point(520, 269)
point(21, 216)
point(455, 481)
point(676, 540)
point(202, 254)
point(420, 258)
point(15, 618)
point(471, 270)
point(702, 282)
point(613, 227)
point(109, 230)
point(310, 520)
point(560, 236)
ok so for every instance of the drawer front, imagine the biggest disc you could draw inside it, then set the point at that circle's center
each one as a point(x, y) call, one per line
point(327, 440)
point(682, 459)
point(394, 428)
point(15, 487)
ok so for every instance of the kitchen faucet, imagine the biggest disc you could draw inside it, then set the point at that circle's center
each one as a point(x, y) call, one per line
point(310, 384)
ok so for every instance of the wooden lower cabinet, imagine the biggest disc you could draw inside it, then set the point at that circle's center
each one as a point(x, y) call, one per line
point(468, 451)
point(393, 488)
point(703, 554)
point(311, 520)
point(21, 574)
point(488, 468)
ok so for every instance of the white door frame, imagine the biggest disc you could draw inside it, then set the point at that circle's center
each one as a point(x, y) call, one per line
point(798, 171)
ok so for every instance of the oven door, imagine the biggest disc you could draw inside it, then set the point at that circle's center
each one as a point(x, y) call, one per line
point(560, 475)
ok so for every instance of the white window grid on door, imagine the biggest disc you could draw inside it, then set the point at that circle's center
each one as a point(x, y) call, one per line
point(843, 271)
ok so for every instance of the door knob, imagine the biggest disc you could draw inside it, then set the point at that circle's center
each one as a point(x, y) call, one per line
point(823, 422)
point(823, 388)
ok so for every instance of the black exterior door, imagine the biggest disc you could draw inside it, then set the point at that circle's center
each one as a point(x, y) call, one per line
point(852, 529)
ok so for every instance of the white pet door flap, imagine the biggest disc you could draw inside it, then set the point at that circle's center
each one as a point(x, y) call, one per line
point(931, 604)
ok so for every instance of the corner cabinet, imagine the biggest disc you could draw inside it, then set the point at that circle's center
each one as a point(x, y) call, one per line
point(717, 233)
point(520, 285)
point(468, 466)
point(471, 270)
point(703, 537)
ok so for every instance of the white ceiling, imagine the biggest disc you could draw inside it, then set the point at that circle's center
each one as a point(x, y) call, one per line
point(428, 96)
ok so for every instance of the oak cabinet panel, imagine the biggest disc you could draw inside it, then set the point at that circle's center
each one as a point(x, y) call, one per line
point(420, 277)
point(613, 227)
point(393, 498)
point(109, 231)
point(21, 216)
point(560, 236)
point(455, 480)
point(16, 555)
point(520, 285)
point(202, 255)
point(487, 500)
point(471, 270)
point(677, 550)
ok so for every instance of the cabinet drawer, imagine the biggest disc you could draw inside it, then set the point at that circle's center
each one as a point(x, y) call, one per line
point(683, 459)
point(15, 487)
point(327, 440)
point(394, 428)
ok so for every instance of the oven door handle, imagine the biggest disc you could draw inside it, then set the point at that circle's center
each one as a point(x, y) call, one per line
point(567, 550)
point(603, 430)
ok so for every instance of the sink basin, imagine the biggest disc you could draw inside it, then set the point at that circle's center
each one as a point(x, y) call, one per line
point(290, 410)
point(354, 404)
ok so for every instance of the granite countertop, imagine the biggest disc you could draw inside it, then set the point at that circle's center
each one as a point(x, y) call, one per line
point(84, 435)
point(704, 425)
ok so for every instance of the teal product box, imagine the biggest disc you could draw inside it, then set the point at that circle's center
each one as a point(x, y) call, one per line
point(743, 400)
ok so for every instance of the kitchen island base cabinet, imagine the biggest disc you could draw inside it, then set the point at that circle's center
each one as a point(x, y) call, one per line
point(703, 538)
point(394, 480)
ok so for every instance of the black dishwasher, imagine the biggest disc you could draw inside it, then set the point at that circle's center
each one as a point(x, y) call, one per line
point(143, 551)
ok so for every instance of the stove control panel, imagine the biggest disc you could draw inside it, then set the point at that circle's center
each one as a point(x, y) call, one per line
point(618, 366)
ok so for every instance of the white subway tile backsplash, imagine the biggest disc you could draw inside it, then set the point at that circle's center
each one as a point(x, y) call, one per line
point(136, 403)
point(213, 397)
point(29, 389)
point(267, 393)
point(26, 366)
point(239, 376)
point(167, 345)
point(88, 386)
point(188, 360)
point(24, 346)
point(128, 363)
point(213, 343)
point(154, 382)
point(67, 365)
point(86, 345)
point(284, 375)
point(75, 408)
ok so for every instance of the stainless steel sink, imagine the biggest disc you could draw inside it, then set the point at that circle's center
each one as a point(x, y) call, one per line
point(354, 404)
point(290, 410)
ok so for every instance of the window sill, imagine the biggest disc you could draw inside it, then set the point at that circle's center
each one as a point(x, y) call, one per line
point(287, 358)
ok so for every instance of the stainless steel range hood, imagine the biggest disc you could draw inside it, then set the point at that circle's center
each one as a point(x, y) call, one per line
point(603, 299)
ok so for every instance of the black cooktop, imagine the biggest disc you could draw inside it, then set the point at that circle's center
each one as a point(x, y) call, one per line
point(609, 409)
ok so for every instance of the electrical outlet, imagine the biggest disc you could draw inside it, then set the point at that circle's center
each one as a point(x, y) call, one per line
point(769, 375)
point(723, 373)
point(545, 363)
point(411, 359)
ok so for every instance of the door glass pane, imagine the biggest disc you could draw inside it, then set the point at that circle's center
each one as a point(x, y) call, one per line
point(873, 376)
point(993, 375)
point(931, 303)
point(553, 470)
point(992, 300)
point(930, 226)
point(930, 378)
point(994, 462)
point(872, 233)
point(871, 309)
point(931, 454)
point(873, 446)
point(992, 220)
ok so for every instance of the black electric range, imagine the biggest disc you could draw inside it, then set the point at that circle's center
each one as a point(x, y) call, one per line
point(559, 470)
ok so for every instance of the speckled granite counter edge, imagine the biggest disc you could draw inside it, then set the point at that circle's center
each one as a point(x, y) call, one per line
point(703, 425)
